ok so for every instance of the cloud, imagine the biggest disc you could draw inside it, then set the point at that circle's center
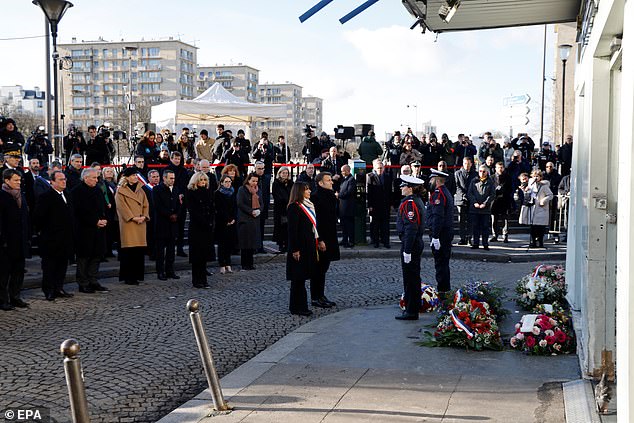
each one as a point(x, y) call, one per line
point(396, 50)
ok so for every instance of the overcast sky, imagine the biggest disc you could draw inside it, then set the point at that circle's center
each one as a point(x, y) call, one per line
point(367, 71)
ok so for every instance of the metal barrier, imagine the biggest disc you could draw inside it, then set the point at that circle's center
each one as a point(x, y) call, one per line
point(560, 225)
point(193, 306)
point(75, 382)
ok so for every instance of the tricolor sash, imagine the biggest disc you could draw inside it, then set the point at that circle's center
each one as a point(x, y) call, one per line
point(460, 324)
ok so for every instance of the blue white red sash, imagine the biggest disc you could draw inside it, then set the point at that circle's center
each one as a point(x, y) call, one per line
point(460, 324)
point(309, 214)
point(143, 180)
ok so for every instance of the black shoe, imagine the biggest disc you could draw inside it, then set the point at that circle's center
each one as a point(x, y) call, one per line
point(6, 307)
point(302, 313)
point(86, 290)
point(387, 246)
point(181, 253)
point(532, 245)
point(131, 282)
point(493, 239)
point(474, 247)
point(63, 294)
point(162, 277)
point(485, 247)
point(376, 245)
point(327, 301)
point(17, 302)
point(506, 239)
point(406, 316)
point(100, 288)
point(50, 297)
point(556, 240)
point(173, 276)
point(321, 304)
point(209, 273)
point(462, 242)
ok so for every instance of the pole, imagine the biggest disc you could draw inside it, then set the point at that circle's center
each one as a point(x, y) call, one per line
point(130, 96)
point(75, 382)
point(47, 39)
point(205, 354)
point(563, 98)
point(55, 94)
point(541, 125)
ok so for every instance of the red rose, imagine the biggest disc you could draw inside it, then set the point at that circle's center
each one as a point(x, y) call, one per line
point(560, 337)
point(463, 315)
point(550, 340)
point(530, 341)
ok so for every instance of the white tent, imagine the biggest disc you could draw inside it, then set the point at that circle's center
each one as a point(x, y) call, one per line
point(214, 105)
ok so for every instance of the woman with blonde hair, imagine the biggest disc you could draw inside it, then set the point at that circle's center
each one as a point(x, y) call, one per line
point(281, 191)
point(199, 204)
point(133, 211)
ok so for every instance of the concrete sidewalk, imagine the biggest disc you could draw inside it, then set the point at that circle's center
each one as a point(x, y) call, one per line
point(362, 365)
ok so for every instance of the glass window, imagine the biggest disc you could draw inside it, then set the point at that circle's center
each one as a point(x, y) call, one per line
point(154, 51)
point(76, 53)
point(105, 52)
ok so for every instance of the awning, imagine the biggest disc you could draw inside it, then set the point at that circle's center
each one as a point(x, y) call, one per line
point(487, 14)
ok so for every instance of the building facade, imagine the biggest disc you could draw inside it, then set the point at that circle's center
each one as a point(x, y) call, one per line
point(97, 86)
point(564, 112)
point(312, 113)
point(15, 99)
point(291, 127)
point(239, 80)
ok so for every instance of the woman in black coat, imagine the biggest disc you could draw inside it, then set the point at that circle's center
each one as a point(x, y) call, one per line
point(281, 192)
point(200, 208)
point(226, 235)
point(301, 259)
point(249, 200)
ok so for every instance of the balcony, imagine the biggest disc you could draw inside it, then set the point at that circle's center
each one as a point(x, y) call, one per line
point(223, 78)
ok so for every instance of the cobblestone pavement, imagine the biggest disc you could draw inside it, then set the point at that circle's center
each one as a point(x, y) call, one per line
point(138, 352)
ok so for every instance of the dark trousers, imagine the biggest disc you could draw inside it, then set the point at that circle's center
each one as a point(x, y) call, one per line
point(318, 281)
point(182, 216)
point(537, 234)
point(246, 258)
point(347, 229)
point(87, 269)
point(224, 254)
point(298, 300)
point(151, 244)
point(132, 264)
point(441, 261)
point(199, 272)
point(411, 281)
point(380, 228)
point(53, 273)
point(500, 224)
point(481, 228)
point(11, 277)
point(165, 255)
point(465, 223)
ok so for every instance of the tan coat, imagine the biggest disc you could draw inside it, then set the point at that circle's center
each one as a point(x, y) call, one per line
point(132, 204)
point(204, 149)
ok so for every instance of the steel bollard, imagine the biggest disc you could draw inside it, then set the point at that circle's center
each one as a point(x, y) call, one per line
point(75, 381)
point(205, 354)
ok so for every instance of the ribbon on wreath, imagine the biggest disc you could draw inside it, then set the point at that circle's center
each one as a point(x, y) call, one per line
point(460, 324)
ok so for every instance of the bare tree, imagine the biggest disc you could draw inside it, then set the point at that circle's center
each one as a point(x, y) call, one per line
point(26, 122)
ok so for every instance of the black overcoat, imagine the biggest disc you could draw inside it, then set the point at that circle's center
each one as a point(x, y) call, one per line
point(15, 226)
point(225, 213)
point(89, 207)
point(302, 239)
point(248, 226)
point(54, 219)
point(281, 193)
point(166, 203)
point(325, 203)
point(200, 229)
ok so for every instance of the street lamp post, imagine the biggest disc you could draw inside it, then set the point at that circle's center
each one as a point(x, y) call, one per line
point(415, 107)
point(54, 11)
point(131, 105)
point(564, 52)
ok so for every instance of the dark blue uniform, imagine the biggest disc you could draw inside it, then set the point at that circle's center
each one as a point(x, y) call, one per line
point(410, 225)
point(440, 224)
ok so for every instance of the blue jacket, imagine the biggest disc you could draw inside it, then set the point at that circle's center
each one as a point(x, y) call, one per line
point(410, 223)
point(440, 212)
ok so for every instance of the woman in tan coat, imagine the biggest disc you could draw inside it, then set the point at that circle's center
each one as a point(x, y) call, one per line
point(133, 212)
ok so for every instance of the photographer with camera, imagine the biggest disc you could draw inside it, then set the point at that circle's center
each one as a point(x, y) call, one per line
point(10, 138)
point(74, 143)
point(185, 144)
point(465, 148)
point(312, 147)
point(525, 144)
point(99, 147)
point(38, 146)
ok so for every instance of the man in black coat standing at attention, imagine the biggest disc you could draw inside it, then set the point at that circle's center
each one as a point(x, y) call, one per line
point(167, 204)
point(325, 201)
point(153, 179)
point(379, 198)
point(347, 192)
point(54, 218)
point(181, 175)
point(89, 206)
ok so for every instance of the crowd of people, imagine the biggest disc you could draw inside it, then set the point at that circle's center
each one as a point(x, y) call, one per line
point(86, 211)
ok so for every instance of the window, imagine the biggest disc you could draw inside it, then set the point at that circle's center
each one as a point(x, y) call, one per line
point(154, 98)
point(76, 53)
point(154, 51)
point(201, 75)
point(105, 52)
point(39, 104)
point(187, 55)
point(150, 88)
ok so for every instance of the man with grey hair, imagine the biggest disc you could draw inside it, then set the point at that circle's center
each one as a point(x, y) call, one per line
point(89, 212)
point(379, 189)
point(73, 171)
point(43, 184)
point(481, 194)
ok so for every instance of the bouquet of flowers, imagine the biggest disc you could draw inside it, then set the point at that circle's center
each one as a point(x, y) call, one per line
point(429, 299)
point(546, 284)
point(468, 324)
point(548, 336)
point(485, 292)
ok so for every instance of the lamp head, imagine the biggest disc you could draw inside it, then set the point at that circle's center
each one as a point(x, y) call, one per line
point(564, 51)
point(54, 11)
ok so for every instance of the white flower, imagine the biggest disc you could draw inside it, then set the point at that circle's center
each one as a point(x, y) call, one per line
point(536, 330)
point(543, 343)
point(549, 332)
point(513, 342)
point(517, 326)
point(557, 347)
point(519, 336)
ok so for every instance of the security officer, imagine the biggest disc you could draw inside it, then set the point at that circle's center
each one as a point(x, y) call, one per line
point(410, 224)
point(440, 223)
point(544, 156)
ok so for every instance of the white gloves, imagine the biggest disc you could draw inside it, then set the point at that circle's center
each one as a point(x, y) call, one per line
point(407, 258)
point(256, 212)
point(435, 243)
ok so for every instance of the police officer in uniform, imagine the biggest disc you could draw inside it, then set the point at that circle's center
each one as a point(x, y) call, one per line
point(440, 223)
point(410, 224)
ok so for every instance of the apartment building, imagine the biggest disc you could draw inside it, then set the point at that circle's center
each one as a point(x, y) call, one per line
point(240, 80)
point(103, 73)
point(15, 98)
point(312, 112)
point(291, 127)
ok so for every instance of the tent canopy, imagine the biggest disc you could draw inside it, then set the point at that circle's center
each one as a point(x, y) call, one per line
point(214, 105)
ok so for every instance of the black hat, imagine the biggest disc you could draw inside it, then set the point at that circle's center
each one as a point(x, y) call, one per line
point(129, 171)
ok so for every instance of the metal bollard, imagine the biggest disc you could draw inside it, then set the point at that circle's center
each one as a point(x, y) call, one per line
point(75, 382)
point(205, 354)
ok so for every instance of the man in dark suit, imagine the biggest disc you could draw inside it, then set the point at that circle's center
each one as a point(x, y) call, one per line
point(325, 202)
point(181, 179)
point(54, 218)
point(167, 204)
point(73, 172)
point(153, 179)
point(347, 192)
point(42, 183)
point(379, 198)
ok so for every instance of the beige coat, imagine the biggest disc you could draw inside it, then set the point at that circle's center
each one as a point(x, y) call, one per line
point(132, 204)
point(204, 149)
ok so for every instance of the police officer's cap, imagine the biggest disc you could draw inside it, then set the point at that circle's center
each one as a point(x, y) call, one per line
point(416, 163)
point(410, 181)
point(12, 153)
point(435, 172)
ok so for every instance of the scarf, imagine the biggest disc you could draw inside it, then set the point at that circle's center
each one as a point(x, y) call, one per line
point(309, 208)
point(484, 179)
point(15, 193)
point(226, 191)
point(255, 201)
